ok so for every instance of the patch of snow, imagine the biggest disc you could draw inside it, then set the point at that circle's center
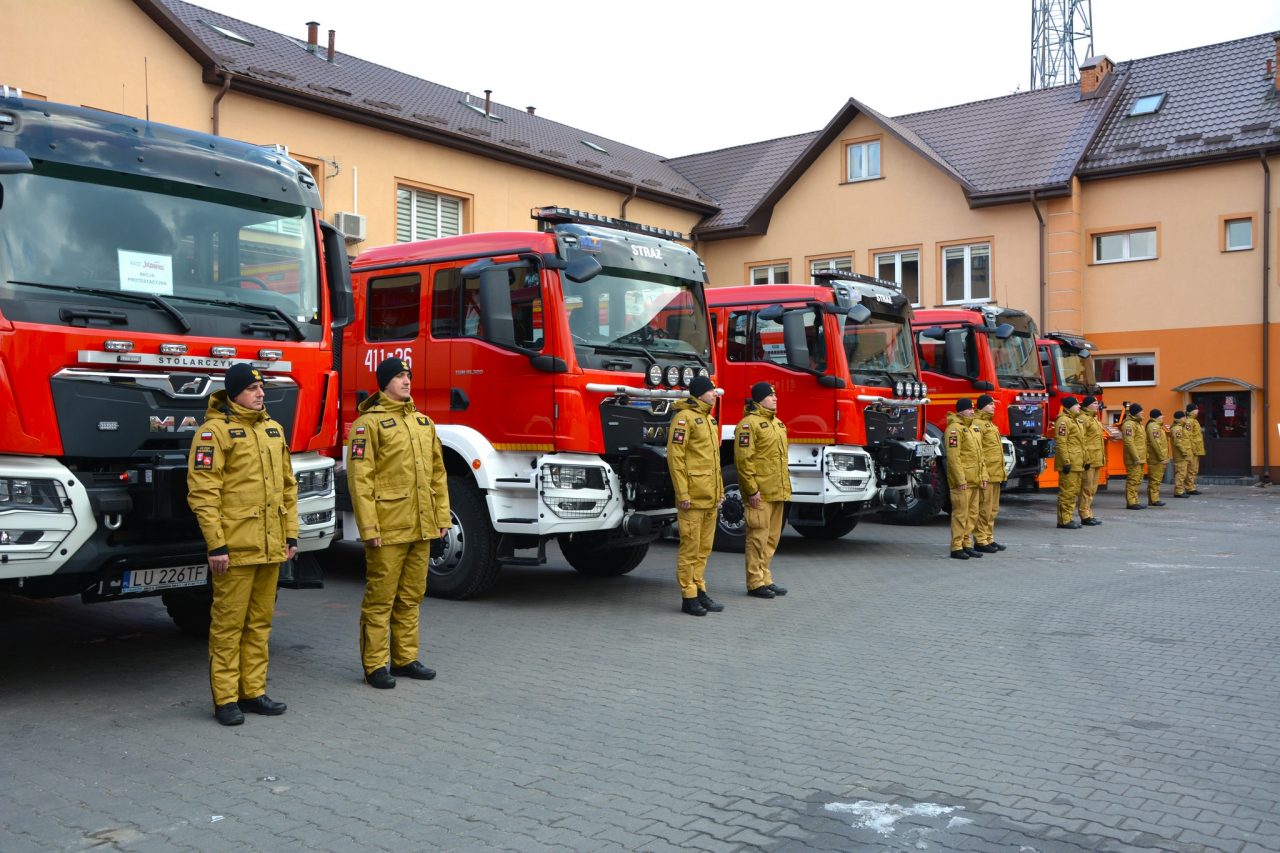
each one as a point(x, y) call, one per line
point(881, 817)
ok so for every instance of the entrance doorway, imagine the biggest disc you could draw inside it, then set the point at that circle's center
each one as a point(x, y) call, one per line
point(1224, 418)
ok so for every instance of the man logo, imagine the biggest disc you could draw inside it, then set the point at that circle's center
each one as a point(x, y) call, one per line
point(170, 424)
point(654, 434)
point(188, 384)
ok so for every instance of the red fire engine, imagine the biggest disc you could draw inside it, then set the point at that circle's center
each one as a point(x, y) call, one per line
point(548, 360)
point(842, 358)
point(984, 349)
point(1068, 372)
point(137, 262)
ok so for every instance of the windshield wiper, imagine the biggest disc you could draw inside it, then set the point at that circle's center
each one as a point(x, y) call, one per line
point(270, 310)
point(624, 349)
point(145, 298)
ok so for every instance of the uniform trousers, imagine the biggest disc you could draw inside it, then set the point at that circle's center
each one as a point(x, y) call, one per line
point(1068, 495)
point(1193, 471)
point(697, 534)
point(988, 509)
point(1181, 470)
point(964, 516)
point(1132, 480)
point(395, 582)
point(244, 598)
point(1155, 473)
point(764, 528)
point(1088, 488)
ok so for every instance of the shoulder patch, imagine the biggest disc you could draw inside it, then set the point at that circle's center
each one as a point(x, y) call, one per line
point(714, 422)
point(359, 430)
point(204, 458)
point(744, 438)
point(273, 432)
point(206, 436)
point(357, 448)
point(677, 435)
point(680, 422)
point(697, 420)
point(235, 433)
point(422, 419)
point(389, 422)
point(1062, 429)
point(953, 440)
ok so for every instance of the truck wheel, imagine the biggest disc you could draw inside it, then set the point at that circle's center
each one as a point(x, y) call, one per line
point(467, 564)
point(189, 609)
point(585, 555)
point(731, 523)
point(922, 510)
point(833, 529)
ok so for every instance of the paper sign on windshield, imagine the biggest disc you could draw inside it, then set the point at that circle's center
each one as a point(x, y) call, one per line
point(141, 272)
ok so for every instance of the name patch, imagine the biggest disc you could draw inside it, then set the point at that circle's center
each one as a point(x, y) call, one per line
point(234, 433)
point(389, 422)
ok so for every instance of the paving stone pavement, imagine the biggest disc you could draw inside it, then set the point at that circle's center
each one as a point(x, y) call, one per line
point(1106, 689)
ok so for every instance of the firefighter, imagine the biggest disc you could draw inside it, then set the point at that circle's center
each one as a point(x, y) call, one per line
point(240, 486)
point(1135, 454)
point(693, 457)
point(1183, 451)
point(993, 459)
point(966, 474)
point(1069, 456)
point(1095, 458)
point(760, 455)
point(1197, 444)
point(1157, 456)
point(399, 492)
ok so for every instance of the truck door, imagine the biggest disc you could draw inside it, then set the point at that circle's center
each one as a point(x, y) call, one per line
point(391, 327)
point(789, 351)
point(493, 319)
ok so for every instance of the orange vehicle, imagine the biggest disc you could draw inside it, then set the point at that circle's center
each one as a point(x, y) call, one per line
point(842, 359)
point(985, 349)
point(130, 255)
point(549, 361)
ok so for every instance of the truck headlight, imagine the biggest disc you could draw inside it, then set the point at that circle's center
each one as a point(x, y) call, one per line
point(313, 483)
point(574, 476)
point(848, 471)
point(30, 495)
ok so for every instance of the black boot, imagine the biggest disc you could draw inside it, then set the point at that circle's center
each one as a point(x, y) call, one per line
point(229, 714)
point(778, 590)
point(414, 669)
point(380, 678)
point(707, 604)
point(692, 607)
point(761, 592)
point(262, 705)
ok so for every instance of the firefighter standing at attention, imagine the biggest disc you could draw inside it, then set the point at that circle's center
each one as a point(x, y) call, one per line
point(693, 457)
point(1069, 460)
point(1197, 444)
point(966, 474)
point(1183, 452)
point(993, 459)
point(240, 486)
point(760, 455)
point(399, 491)
point(1157, 456)
point(1135, 455)
point(1095, 458)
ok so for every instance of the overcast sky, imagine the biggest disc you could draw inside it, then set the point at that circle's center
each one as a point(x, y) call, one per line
point(676, 78)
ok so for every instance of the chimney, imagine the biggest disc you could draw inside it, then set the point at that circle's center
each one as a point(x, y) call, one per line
point(488, 100)
point(313, 36)
point(1093, 71)
point(331, 35)
point(530, 110)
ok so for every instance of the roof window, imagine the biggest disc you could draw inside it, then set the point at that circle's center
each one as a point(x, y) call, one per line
point(228, 34)
point(1147, 104)
point(593, 146)
point(477, 108)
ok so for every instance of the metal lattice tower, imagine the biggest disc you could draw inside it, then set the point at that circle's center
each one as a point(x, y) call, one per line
point(1061, 37)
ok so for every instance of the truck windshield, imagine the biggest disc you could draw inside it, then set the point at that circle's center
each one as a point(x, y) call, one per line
point(112, 235)
point(663, 315)
point(1075, 373)
point(878, 349)
point(1017, 361)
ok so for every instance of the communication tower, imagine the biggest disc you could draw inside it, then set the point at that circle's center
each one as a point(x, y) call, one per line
point(1061, 36)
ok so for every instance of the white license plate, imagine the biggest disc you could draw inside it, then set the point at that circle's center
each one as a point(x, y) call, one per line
point(146, 580)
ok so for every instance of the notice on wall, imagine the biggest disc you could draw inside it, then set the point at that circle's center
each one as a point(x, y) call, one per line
point(141, 272)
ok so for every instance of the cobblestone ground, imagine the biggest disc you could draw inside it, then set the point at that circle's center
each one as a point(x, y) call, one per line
point(1106, 689)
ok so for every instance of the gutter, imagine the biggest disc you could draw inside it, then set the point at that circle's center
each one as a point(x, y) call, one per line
point(217, 102)
point(1266, 319)
point(1044, 284)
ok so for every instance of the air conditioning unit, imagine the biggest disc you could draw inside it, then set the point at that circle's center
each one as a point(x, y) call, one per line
point(351, 225)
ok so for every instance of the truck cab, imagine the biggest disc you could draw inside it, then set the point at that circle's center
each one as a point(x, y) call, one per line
point(1067, 364)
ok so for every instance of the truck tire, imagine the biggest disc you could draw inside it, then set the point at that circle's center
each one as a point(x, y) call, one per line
point(468, 563)
point(584, 554)
point(189, 609)
point(731, 522)
point(833, 529)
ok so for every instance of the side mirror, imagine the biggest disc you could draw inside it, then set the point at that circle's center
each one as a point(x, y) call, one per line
point(342, 308)
point(826, 380)
point(495, 307)
point(955, 357)
point(983, 385)
point(773, 313)
point(934, 333)
point(794, 341)
point(1003, 331)
point(582, 269)
point(475, 268)
point(14, 162)
point(1083, 354)
point(859, 313)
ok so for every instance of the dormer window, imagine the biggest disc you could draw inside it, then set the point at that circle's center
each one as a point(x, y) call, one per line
point(1147, 104)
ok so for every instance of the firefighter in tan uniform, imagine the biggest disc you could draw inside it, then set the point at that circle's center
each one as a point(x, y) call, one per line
point(1183, 452)
point(1157, 456)
point(1197, 447)
point(966, 474)
point(760, 455)
point(240, 486)
point(693, 457)
point(1135, 454)
point(993, 459)
point(1069, 461)
point(399, 491)
point(1095, 458)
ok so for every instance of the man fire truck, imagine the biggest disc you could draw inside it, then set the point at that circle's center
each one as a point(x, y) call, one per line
point(978, 349)
point(842, 358)
point(138, 262)
point(549, 361)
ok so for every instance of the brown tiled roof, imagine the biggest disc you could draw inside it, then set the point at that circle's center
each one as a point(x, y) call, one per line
point(279, 67)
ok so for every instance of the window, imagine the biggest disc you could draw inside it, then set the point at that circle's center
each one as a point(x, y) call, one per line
point(1137, 369)
point(1147, 104)
point(1237, 235)
point(966, 272)
point(842, 264)
point(393, 305)
point(863, 160)
point(750, 338)
point(514, 313)
point(904, 268)
point(422, 215)
point(1124, 246)
point(771, 274)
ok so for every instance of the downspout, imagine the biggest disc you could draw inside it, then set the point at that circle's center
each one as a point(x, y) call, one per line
point(622, 214)
point(1035, 206)
point(1266, 319)
point(217, 102)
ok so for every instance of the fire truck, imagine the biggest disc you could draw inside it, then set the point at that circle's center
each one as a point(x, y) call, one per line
point(549, 361)
point(1065, 360)
point(842, 358)
point(983, 349)
point(138, 262)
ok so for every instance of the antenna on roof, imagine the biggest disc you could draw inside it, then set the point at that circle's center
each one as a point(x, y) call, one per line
point(1058, 28)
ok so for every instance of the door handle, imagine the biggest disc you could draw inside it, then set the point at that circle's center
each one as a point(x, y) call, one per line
point(458, 400)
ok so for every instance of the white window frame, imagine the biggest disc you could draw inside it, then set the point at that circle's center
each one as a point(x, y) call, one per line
point(1226, 234)
point(771, 274)
point(898, 258)
point(1128, 255)
point(420, 228)
point(862, 151)
point(968, 296)
point(1124, 369)
point(843, 263)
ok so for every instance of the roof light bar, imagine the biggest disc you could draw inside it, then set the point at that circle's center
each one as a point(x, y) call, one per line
point(552, 216)
point(842, 275)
